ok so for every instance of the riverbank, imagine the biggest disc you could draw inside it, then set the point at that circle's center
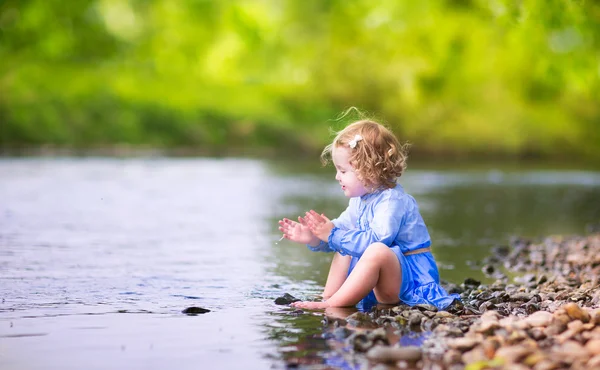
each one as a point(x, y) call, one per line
point(547, 316)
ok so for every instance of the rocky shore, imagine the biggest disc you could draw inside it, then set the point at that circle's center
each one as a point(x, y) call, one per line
point(547, 316)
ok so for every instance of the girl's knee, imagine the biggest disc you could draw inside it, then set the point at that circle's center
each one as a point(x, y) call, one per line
point(378, 245)
point(378, 248)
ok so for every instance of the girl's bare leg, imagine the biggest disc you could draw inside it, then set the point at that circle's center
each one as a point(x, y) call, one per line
point(337, 274)
point(378, 269)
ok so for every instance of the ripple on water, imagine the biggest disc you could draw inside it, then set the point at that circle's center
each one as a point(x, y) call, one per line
point(93, 243)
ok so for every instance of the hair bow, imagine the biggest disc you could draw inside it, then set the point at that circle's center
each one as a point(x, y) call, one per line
point(353, 142)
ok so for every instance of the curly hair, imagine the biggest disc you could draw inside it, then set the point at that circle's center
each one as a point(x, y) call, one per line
point(378, 159)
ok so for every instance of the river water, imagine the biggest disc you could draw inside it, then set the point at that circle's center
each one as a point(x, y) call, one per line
point(99, 256)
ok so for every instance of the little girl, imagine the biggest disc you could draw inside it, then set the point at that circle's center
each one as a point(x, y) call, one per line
point(381, 244)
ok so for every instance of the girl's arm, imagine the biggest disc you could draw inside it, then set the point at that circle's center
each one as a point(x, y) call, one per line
point(388, 217)
point(344, 222)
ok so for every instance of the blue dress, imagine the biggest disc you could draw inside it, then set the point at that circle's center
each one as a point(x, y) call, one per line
point(391, 217)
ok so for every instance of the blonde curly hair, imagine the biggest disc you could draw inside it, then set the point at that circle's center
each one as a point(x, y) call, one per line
point(378, 158)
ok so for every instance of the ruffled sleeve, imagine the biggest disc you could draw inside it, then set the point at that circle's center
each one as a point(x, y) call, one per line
point(344, 221)
point(322, 247)
point(347, 219)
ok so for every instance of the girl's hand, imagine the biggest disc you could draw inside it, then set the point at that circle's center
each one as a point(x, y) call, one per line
point(319, 225)
point(297, 232)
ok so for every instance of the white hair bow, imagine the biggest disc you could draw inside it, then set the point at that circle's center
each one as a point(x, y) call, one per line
point(353, 142)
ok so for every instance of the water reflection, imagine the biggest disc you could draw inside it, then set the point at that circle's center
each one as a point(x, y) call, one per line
point(299, 337)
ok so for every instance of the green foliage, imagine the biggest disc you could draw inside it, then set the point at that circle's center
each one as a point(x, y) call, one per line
point(480, 76)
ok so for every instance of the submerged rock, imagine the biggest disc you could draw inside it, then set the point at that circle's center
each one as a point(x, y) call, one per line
point(286, 299)
point(195, 310)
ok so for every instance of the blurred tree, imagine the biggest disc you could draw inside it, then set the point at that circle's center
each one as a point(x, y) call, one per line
point(480, 76)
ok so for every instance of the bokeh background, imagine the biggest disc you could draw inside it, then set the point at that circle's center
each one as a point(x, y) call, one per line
point(148, 149)
point(501, 78)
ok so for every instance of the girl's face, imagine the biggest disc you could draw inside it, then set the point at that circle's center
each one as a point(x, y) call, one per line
point(345, 175)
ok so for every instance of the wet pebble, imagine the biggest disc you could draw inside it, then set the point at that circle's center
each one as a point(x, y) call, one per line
point(195, 310)
point(545, 320)
point(286, 299)
point(394, 354)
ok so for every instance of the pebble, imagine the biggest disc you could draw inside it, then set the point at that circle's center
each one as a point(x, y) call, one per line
point(286, 299)
point(542, 321)
point(394, 354)
point(195, 310)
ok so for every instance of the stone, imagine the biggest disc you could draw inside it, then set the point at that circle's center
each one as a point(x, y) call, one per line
point(593, 347)
point(463, 344)
point(576, 313)
point(195, 311)
point(512, 354)
point(540, 318)
point(394, 354)
point(286, 299)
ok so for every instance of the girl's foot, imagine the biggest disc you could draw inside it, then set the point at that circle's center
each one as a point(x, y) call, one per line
point(311, 305)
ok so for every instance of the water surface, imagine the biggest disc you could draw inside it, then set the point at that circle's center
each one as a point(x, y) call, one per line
point(99, 256)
